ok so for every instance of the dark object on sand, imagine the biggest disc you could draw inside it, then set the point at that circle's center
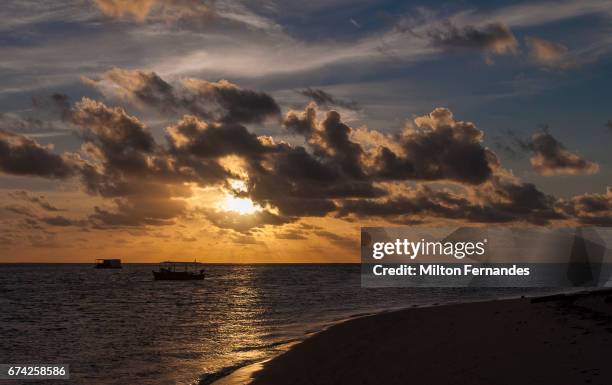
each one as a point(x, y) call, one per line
point(108, 264)
point(187, 271)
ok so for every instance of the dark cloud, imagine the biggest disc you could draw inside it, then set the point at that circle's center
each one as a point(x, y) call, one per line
point(119, 146)
point(324, 99)
point(334, 140)
point(140, 211)
point(299, 183)
point(302, 122)
point(591, 209)
point(33, 220)
point(57, 220)
point(498, 201)
point(112, 129)
point(329, 139)
point(146, 87)
point(518, 201)
point(39, 200)
point(550, 157)
point(218, 101)
point(215, 140)
point(493, 38)
point(438, 148)
point(20, 155)
point(238, 104)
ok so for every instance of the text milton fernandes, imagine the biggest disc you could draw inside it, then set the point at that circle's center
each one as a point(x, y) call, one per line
point(440, 270)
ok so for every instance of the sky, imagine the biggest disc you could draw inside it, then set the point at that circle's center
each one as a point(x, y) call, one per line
point(272, 131)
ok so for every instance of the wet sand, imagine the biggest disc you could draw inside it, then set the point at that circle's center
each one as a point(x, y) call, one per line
point(559, 341)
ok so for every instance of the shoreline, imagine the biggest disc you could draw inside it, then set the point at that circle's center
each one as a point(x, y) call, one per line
point(568, 335)
point(242, 373)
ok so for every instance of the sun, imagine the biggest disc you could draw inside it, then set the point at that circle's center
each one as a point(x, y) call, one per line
point(242, 206)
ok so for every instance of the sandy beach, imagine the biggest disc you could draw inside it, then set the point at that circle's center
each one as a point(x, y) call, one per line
point(550, 340)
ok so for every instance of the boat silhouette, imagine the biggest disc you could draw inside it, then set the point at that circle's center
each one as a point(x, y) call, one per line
point(108, 264)
point(178, 271)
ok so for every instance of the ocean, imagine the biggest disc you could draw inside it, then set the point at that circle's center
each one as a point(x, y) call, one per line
point(121, 327)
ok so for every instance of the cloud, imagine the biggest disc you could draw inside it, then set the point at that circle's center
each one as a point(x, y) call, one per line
point(141, 210)
point(332, 140)
point(549, 54)
point(434, 169)
point(57, 103)
point(166, 10)
point(302, 122)
point(324, 99)
point(39, 200)
point(291, 235)
point(214, 140)
point(222, 100)
point(243, 223)
point(500, 200)
point(46, 117)
point(19, 210)
point(591, 209)
point(57, 220)
point(194, 14)
point(544, 51)
point(438, 147)
point(126, 164)
point(20, 155)
point(339, 240)
point(239, 105)
point(15, 123)
point(550, 157)
point(147, 180)
point(538, 13)
point(495, 38)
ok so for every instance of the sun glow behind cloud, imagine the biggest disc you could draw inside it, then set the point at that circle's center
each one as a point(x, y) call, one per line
point(240, 205)
point(243, 206)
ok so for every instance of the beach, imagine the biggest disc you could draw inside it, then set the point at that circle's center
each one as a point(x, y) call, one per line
point(546, 340)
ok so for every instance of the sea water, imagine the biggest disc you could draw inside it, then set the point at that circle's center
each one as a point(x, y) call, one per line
point(121, 327)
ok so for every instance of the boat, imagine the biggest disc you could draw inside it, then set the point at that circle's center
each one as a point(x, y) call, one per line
point(108, 264)
point(179, 271)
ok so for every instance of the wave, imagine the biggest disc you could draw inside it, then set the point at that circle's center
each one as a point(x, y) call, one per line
point(209, 378)
point(271, 345)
